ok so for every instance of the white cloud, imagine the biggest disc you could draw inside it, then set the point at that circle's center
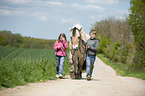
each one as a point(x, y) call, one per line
point(70, 20)
point(126, 12)
point(5, 12)
point(18, 1)
point(43, 18)
point(96, 17)
point(55, 3)
point(120, 17)
point(40, 16)
point(109, 2)
point(46, 17)
point(89, 7)
point(102, 17)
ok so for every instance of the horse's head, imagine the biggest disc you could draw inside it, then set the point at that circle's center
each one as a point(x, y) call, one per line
point(75, 35)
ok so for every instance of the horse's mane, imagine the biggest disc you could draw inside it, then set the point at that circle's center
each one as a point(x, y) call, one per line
point(78, 26)
point(74, 31)
point(85, 36)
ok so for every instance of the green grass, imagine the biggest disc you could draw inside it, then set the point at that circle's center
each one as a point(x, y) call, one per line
point(14, 54)
point(4, 51)
point(22, 66)
point(122, 69)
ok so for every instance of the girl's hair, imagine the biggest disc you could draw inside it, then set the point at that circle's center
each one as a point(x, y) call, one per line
point(63, 35)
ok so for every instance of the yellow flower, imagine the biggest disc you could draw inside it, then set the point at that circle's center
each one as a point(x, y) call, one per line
point(40, 80)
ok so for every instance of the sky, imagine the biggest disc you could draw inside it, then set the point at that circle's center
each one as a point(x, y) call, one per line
point(46, 19)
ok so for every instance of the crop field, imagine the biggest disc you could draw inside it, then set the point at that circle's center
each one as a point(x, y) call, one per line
point(20, 66)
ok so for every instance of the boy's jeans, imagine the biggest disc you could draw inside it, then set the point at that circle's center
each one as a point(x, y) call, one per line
point(90, 64)
point(59, 64)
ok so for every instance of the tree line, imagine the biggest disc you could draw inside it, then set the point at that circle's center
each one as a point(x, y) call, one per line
point(123, 41)
point(7, 38)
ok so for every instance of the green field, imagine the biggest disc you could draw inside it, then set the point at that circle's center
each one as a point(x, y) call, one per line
point(20, 66)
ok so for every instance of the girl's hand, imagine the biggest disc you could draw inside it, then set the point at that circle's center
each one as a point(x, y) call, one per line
point(62, 39)
point(59, 47)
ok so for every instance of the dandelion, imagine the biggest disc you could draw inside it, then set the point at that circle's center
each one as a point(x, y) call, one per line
point(40, 80)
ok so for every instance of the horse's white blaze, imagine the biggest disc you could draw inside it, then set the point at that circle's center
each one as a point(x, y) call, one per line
point(75, 46)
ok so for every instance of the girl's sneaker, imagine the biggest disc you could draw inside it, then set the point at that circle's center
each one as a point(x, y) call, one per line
point(60, 76)
point(57, 75)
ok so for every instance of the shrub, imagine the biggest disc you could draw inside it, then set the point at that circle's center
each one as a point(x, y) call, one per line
point(104, 42)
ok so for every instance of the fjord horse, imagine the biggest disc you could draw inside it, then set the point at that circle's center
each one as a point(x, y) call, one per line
point(77, 51)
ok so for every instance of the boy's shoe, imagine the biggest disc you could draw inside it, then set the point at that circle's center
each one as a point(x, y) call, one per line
point(88, 77)
point(60, 76)
point(57, 75)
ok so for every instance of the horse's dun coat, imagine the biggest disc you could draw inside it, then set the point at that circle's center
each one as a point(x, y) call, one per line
point(77, 50)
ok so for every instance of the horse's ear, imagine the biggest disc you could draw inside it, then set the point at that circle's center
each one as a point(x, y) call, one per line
point(69, 28)
point(80, 29)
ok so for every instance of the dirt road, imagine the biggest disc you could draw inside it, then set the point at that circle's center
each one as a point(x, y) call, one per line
point(105, 82)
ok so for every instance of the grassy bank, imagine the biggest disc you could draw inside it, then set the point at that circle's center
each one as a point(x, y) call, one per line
point(122, 69)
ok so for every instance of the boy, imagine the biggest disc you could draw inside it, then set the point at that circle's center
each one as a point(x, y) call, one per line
point(91, 50)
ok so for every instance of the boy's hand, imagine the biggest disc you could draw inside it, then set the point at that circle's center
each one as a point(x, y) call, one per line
point(87, 47)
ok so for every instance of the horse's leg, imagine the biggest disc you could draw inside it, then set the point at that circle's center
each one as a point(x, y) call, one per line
point(77, 68)
point(81, 62)
point(73, 64)
point(72, 74)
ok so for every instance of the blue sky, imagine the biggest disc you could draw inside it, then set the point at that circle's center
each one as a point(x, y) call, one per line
point(48, 18)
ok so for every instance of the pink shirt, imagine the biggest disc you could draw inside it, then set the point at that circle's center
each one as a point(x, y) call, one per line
point(60, 52)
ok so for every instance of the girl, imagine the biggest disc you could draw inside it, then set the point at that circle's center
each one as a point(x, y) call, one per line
point(60, 47)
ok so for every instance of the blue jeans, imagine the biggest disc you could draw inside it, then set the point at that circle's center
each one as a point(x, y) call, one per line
point(59, 64)
point(90, 64)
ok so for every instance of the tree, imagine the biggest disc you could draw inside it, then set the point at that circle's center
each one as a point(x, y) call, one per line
point(137, 22)
point(3, 40)
point(9, 35)
point(18, 40)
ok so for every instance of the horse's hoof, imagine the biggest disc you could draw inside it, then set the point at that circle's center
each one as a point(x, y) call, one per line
point(72, 75)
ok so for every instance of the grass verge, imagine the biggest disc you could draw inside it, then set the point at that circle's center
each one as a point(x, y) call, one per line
point(122, 69)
